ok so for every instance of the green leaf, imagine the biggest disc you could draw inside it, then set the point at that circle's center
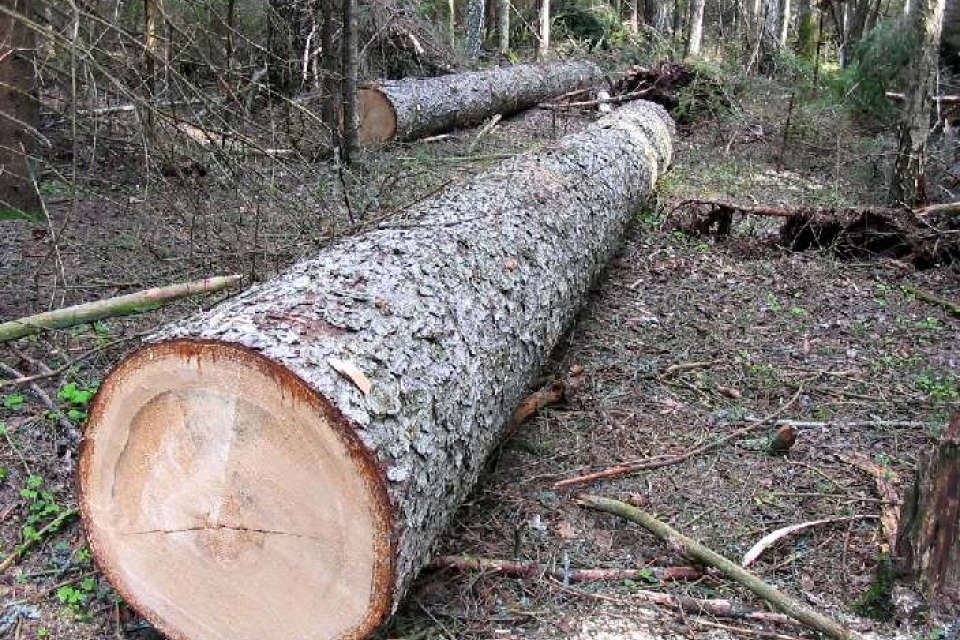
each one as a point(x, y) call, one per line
point(13, 401)
point(34, 481)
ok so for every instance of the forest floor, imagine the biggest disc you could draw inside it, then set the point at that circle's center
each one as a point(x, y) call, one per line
point(839, 345)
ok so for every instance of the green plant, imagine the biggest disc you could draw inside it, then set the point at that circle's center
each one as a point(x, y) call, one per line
point(938, 388)
point(43, 632)
point(928, 323)
point(13, 401)
point(75, 599)
point(41, 507)
point(878, 64)
point(76, 398)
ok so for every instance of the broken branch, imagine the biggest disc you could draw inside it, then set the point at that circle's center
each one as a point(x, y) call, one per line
point(770, 539)
point(656, 463)
point(696, 551)
point(111, 307)
point(533, 569)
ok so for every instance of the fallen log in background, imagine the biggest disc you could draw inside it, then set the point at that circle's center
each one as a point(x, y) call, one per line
point(926, 237)
point(416, 107)
point(280, 466)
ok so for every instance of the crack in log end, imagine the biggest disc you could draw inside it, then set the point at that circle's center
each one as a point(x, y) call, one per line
point(206, 460)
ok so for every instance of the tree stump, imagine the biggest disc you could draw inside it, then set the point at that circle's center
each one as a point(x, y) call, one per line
point(928, 542)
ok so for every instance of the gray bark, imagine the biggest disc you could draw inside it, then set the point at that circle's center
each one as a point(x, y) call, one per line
point(695, 27)
point(543, 40)
point(907, 185)
point(348, 49)
point(657, 13)
point(503, 24)
point(784, 27)
point(19, 114)
point(330, 61)
point(451, 313)
point(425, 106)
point(473, 38)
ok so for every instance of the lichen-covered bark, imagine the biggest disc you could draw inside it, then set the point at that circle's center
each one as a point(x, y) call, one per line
point(424, 106)
point(907, 185)
point(452, 311)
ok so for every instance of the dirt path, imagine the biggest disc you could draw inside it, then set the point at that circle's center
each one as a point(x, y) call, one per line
point(843, 339)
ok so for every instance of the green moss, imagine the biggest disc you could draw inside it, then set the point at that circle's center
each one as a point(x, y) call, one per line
point(875, 602)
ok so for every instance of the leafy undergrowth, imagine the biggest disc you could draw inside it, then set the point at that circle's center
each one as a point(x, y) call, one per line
point(844, 341)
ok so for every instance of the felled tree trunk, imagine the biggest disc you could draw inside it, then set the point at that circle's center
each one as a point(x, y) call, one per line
point(417, 107)
point(280, 466)
point(19, 114)
point(928, 542)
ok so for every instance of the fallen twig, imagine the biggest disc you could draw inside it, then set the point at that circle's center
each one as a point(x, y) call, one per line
point(893, 95)
point(72, 433)
point(111, 307)
point(551, 394)
point(656, 463)
point(626, 97)
point(950, 307)
point(50, 527)
point(51, 373)
point(770, 539)
point(484, 130)
point(757, 633)
point(687, 366)
point(715, 606)
point(696, 551)
point(534, 569)
point(858, 424)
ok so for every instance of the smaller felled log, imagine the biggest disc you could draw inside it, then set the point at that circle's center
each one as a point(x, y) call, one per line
point(416, 107)
point(928, 540)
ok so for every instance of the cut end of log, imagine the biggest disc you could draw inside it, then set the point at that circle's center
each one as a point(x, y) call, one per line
point(377, 117)
point(224, 498)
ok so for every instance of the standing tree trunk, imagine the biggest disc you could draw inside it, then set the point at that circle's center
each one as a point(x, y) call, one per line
point(657, 14)
point(503, 25)
point(543, 43)
point(908, 185)
point(677, 30)
point(281, 466)
point(634, 17)
point(695, 28)
point(19, 114)
point(330, 62)
point(473, 38)
point(348, 49)
point(452, 23)
point(807, 30)
point(928, 541)
point(152, 46)
point(784, 27)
